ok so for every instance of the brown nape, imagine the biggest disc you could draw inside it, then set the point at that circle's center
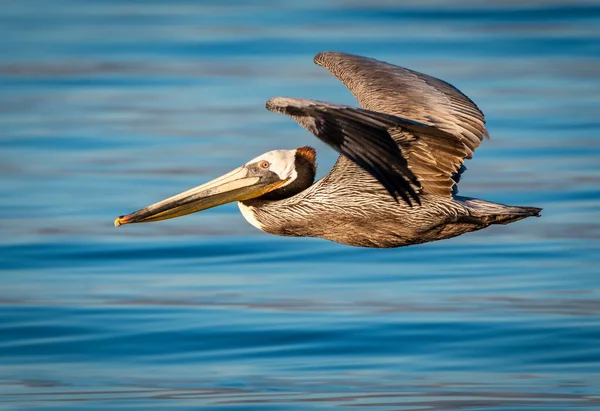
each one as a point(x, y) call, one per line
point(308, 153)
point(306, 169)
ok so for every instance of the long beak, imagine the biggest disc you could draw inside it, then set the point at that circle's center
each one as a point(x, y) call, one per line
point(236, 185)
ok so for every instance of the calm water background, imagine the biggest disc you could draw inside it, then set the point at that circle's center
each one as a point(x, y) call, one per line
point(106, 107)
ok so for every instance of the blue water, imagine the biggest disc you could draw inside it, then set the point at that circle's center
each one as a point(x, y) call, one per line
point(106, 107)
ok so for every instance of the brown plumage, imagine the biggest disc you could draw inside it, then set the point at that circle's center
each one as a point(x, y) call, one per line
point(394, 183)
point(436, 128)
point(404, 93)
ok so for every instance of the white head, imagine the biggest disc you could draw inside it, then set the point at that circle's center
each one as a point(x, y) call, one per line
point(280, 162)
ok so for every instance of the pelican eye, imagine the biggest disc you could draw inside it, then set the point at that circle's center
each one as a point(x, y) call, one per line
point(264, 165)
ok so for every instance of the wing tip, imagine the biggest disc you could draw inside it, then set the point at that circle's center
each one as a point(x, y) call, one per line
point(271, 103)
point(320, 58)
point(288, 104)
point(277, 104)
point(325, 57)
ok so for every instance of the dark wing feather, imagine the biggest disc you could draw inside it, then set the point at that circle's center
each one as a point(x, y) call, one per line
point(404, 93)
point(360, 135)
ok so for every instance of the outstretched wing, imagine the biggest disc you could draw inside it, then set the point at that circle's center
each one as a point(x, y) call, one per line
point(365, 137)
point(397, 91)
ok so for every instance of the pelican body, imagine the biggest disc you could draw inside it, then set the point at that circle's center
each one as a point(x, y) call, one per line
point(394, 183)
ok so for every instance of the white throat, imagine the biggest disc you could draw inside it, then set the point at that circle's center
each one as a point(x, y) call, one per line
point(250, 215)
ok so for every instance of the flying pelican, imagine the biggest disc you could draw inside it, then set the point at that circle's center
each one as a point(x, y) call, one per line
point(394, 183)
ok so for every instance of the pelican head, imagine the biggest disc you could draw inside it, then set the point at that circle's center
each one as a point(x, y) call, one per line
point(272, 176)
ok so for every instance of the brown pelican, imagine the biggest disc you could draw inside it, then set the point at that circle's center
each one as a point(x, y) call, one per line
point(394, 183)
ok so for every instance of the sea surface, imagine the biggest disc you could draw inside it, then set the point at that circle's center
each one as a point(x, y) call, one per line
point(108, 106)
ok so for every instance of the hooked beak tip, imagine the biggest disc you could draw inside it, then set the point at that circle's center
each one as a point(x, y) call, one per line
point(120, 220)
